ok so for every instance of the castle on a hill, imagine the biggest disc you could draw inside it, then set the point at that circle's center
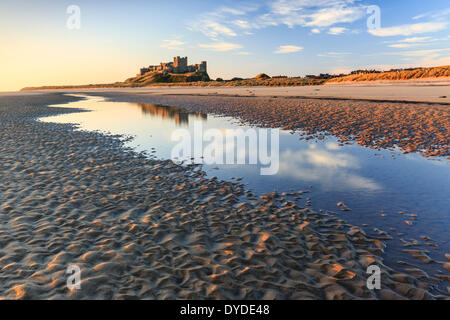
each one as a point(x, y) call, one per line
point(179, 65)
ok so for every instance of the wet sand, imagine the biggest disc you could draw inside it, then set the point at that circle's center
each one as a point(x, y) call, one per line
point(149, 229)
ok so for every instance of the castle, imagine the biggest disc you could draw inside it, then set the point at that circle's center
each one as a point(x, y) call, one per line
point(179, 65)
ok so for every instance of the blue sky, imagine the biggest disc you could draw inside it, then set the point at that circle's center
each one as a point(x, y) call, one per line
point(237, 38)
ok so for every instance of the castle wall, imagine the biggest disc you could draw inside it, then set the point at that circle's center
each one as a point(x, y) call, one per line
point(179, 65)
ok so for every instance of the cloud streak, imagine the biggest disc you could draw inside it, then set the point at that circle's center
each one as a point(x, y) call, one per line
point(173, 44)
point(244, 53)
point(221, 46)
point(416, 41)
point(409, 29)
point(437, 14)
point(288, 49)
point(337, 31)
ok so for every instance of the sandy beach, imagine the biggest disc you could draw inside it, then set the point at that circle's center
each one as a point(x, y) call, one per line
point(432, 90)
point(150, 229)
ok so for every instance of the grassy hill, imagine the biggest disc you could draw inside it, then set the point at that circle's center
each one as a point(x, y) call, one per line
point(419, 73)
point(193, 79)
point(265, 81)
point(149, 79)
point(159, 77)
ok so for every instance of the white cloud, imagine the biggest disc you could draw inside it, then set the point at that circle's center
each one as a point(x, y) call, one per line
point(215, 29)
point(431, 53)
point(242, 24)
point(330, 16)
point(244, 53)
point(342, 70)
point(415, 58)
point(403, 45)
point(425, 58)
point(333, 54)
point(414, 42)
point(221, 22)
point(332, 146)
point(337, 30)
point(435, 61)
point(434, 14)
point(173, 44)
point(325, 166)
point(288, 49)
point(287, 6)
point(336, 53)
point(232, 11)
point(315, 14)
point(221, 46)
point(308, 13)
point(409, 29)
point(415, 39)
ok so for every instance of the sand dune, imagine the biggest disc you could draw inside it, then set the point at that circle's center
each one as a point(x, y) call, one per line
point(420, 73)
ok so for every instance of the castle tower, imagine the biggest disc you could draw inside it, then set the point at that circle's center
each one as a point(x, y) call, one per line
point(176, 61)
point(180, 64)
point(203, 66)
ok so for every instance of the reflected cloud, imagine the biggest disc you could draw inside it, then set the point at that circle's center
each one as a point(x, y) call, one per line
point(327, 159)
point(324, 167)
point(332, 146)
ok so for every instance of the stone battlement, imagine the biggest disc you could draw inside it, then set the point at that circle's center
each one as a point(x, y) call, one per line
point(179, 65)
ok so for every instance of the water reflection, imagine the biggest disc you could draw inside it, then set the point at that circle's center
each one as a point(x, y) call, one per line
point(318, 165)
point(179, 115)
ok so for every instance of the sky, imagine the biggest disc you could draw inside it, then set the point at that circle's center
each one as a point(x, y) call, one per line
point(57, 42)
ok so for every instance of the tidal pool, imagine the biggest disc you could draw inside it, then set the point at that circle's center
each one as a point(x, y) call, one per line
point(405, 195)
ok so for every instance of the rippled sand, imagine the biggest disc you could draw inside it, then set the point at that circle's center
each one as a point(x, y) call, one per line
point(148, 229)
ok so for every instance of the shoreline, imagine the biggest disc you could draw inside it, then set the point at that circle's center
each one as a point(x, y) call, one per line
point(153, 229)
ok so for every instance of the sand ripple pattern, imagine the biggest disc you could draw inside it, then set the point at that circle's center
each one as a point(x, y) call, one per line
point(146, 229)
